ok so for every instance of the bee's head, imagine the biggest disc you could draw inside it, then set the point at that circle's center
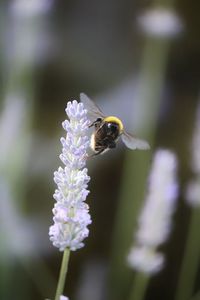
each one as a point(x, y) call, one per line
point(115, 122)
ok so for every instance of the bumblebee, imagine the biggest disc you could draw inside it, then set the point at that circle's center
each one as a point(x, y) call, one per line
point(108, 130)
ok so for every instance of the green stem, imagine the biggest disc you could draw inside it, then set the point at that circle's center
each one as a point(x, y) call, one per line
point(190, 260)
point(139, 287)
point(63, 273)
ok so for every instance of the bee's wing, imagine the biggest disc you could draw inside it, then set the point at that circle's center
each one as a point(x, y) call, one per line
point(133, 142)
point(94, 111)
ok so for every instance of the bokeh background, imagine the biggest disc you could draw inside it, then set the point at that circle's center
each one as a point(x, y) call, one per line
point(148, 74)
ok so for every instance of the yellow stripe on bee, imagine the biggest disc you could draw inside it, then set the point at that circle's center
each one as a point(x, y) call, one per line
point(114, 120)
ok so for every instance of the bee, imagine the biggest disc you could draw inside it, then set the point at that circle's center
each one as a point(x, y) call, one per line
point(108, 129)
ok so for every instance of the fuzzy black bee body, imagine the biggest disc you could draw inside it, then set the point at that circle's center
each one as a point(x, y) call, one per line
point(105, 135)
point(108, 129)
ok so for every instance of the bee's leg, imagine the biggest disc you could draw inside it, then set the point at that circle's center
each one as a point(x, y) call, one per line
point(95, 123)
point(112, 145)
point(97, 153)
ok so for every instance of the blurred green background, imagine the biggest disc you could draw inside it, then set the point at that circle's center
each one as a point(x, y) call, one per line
point(50, 52)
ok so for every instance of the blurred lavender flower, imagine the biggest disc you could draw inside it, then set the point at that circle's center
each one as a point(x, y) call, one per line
point(63, 297)
point(155, 219)
point(24, 8)
point(193, 193)
point(160, 22)
point(193, 188)
point(145, 259)
point(196, 144)
point(71, 213)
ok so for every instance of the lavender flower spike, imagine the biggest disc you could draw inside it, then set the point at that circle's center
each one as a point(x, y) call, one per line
point(71, 213)
point(155, 218)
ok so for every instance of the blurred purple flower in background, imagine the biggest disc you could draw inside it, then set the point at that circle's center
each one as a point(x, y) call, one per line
point(155, 219)
point(160, 22)
point(193, 188)
point(30, 8)
point(196, 144)
point(63, 297)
